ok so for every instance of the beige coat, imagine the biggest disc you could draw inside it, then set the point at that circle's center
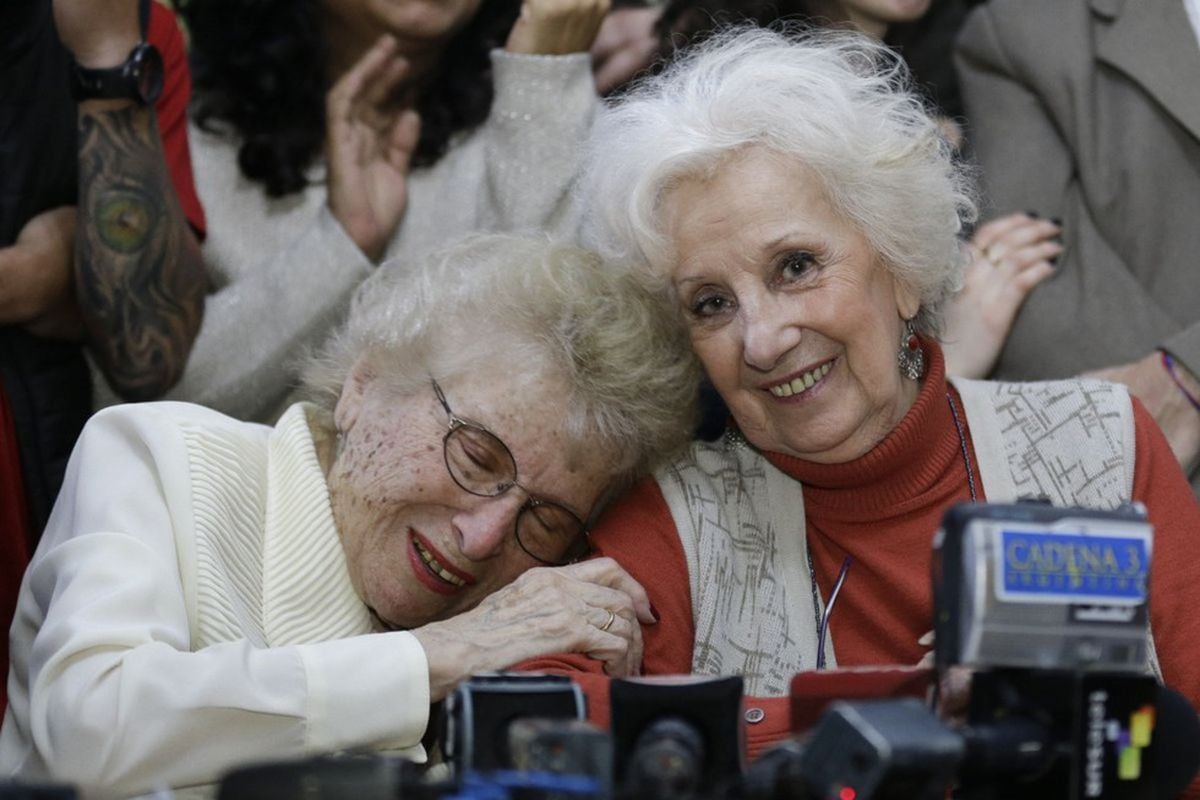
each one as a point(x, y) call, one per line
point(1089, 111)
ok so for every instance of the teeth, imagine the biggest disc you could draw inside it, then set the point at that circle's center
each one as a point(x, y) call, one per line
point(437, 568)
point(805, 381)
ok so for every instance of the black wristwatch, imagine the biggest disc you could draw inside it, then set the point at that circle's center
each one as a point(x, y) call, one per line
point(139, 79)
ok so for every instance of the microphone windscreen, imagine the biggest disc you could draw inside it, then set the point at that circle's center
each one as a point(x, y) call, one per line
point(1177, 742)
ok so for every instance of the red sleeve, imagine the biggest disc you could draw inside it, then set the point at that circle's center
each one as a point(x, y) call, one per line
point(14, 529)
point(640, 535)
point(1160, 484)
point(171, 110)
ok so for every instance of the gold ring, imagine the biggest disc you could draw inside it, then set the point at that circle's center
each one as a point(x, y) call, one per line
point(608, 622)
point(990, 255)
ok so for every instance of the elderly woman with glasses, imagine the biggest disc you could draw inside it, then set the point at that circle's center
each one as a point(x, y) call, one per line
point(210, 591)
point(804, 210)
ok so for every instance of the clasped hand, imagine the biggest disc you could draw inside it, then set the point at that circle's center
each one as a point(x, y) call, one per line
point(1149, 381)
point(593, 607)
point(1009, 256)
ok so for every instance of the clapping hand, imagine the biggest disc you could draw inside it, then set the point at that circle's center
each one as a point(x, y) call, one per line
point(370, 140)
point(593, 607)
point(37, 277)
point(1009, 256)
point(556, 27)
point(626, 44)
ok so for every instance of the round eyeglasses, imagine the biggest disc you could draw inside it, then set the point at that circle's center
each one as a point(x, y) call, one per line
point(480, 463)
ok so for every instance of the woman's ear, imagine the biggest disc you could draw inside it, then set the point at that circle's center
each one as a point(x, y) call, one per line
point(908, 300)
point(349, 404)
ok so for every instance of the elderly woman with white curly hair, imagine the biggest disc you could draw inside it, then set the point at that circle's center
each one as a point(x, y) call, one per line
point(804, 210)
point(210, 592)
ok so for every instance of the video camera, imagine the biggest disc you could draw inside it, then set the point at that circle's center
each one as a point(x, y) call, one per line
point(1037, 587)
point(1048, 609)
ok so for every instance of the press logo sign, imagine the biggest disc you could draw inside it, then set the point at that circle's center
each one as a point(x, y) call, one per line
point(1076, 568)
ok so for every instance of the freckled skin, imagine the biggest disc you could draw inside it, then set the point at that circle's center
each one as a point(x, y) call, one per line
point(390, 478)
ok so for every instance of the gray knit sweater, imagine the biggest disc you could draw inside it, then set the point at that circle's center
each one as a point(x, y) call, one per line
point(283, 270)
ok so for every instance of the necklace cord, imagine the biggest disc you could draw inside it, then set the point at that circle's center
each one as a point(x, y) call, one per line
point(833, 596)
point(822, 618)
point(962, 443)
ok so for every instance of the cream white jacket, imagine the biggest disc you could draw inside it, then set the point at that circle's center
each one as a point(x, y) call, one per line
point(189, 610)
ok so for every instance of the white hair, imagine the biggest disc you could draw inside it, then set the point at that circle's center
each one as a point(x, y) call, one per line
point(836, 102)
point(533, 309)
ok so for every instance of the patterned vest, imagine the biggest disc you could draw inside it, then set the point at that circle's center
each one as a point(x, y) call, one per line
point(741, 520)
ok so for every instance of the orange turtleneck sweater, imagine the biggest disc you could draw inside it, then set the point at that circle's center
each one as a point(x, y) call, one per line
point(882, 510)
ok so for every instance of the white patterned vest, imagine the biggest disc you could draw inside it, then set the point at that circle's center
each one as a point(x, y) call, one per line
point(742, 526)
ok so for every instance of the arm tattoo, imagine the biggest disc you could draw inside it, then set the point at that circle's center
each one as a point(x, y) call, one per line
point(139, 278)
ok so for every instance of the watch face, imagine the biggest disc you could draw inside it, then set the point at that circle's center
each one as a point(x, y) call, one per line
point(145, 66)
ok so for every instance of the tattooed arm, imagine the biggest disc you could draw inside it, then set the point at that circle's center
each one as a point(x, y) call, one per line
point(138, 276)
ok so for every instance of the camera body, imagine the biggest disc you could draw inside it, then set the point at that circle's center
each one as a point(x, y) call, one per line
point(1049, 607)
point(481, 711)
point(676, 736)
point(1031, 586)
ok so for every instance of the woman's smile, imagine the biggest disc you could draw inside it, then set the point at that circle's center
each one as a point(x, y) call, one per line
point(801, 382)
point(433, 569)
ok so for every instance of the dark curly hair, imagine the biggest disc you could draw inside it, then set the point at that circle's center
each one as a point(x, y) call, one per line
point(260, 67)
point(924, 44)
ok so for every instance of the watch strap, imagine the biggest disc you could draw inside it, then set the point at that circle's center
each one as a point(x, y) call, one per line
point(123, 81)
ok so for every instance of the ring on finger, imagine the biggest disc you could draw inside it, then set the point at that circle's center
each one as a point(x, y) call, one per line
point(612, 617)
point(992, 255)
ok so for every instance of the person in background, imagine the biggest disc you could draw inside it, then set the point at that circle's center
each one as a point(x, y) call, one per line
point(1010, 255)
point(804, 208)
point(212, 592)
point(332, 134)
point(627, 43)
point(1088, 112)
point(98, 238)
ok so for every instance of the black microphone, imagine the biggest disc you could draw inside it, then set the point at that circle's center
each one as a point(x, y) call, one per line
point(883, 749)
point(1178, 758)
point(1022, 749)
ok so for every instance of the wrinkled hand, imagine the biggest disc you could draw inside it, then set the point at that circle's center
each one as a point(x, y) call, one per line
point(954, 693)
point(1009, 257)
point(953, 687)
point(369, 144)
point(99, 33)
point(626, 44)
point(556, 27)
point(1150, 382)
point(546, 610)
point(37, 277)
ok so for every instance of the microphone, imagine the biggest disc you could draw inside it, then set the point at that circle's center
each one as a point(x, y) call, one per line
point(893, 749)
point(1178, 760)
point(676, 736)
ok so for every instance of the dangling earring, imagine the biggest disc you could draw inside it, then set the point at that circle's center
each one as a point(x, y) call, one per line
point(911, 358)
